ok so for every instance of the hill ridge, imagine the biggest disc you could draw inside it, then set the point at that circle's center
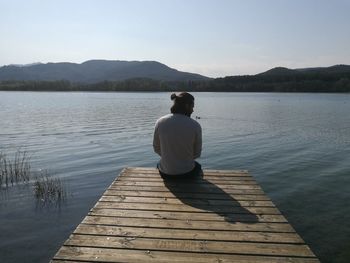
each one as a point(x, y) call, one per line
point(96, 70)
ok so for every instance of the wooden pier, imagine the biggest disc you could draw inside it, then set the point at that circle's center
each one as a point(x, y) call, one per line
point(224, 217)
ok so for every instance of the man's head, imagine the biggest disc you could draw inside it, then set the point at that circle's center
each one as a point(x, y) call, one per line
point(183, 103)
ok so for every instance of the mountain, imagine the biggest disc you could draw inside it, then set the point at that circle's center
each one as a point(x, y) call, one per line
point(278, 71)
point(321, 79)
point(281, 71)
point(332, 69)
point(94, 71)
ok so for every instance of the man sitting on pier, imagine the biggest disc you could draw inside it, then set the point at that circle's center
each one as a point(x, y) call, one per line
point(178, 140)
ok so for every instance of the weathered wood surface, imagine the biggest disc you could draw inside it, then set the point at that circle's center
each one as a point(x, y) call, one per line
point(224, 217)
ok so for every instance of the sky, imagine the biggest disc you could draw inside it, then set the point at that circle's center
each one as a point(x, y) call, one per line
point(214, 38)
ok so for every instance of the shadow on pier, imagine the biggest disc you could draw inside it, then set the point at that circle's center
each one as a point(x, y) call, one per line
point(198, 193)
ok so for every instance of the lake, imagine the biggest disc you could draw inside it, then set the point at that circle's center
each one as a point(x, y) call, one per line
point(297, 146)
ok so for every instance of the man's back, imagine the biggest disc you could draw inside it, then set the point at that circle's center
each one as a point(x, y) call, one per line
point(178, 140)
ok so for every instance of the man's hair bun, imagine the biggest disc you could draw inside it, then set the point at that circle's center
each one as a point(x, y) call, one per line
point(173, 96)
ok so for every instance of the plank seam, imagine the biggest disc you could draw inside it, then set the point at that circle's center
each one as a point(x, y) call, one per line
point(196, 240)
point(200, 252)
point(182, 228)
point(179, 204)
point(196, 212)
point(161, 218)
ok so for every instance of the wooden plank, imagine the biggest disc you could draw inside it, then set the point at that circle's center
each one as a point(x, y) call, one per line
point(160, 200)
point(188, 208)
point(193, 245)
point(206, 171)
point(247, 181)
point(187, 224)
point(188, 185)
point(155, 174)
point(155, 177)
point(193, 234)
point(188, 216)
point(186, 189)
point(224, 217)
point(204, 196)
point(92, 254)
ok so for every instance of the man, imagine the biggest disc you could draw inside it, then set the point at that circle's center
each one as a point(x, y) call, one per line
point(178, 139)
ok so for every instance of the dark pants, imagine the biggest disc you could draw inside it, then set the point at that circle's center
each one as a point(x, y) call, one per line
point(196, 172)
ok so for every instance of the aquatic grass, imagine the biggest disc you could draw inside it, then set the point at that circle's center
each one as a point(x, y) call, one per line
point(49, 190)
point(14, 170)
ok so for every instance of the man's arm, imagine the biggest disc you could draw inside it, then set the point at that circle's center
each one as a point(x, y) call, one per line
point(156, 141)
point(198, 143)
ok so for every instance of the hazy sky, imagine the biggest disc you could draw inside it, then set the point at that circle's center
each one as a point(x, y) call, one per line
point(216, 38)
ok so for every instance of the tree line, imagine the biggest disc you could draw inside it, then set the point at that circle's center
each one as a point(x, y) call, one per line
point(316, 82)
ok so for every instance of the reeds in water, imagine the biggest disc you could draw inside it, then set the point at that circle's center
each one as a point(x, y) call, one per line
point(49, 190)
point(15, 170)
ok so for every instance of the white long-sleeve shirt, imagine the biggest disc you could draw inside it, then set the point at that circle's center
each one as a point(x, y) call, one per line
point(178, 141)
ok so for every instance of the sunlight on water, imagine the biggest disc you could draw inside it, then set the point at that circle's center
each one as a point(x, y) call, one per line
point(295, 145)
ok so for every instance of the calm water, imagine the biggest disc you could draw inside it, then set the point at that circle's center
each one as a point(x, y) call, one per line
point(297, 146)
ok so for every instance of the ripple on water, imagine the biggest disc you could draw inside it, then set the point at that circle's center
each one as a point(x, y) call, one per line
point(295, 145)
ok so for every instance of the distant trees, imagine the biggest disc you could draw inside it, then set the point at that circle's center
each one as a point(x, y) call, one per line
point(300, 82)
point(31, 85)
